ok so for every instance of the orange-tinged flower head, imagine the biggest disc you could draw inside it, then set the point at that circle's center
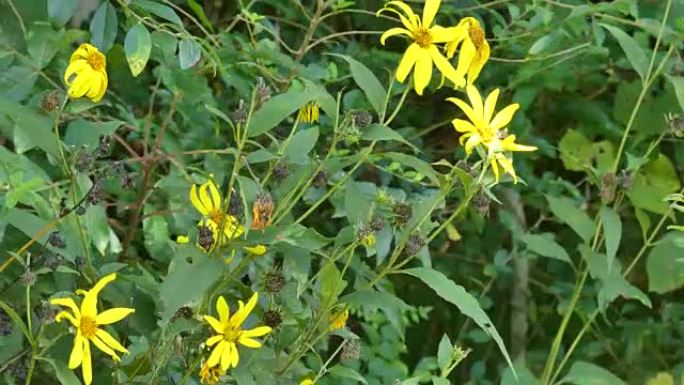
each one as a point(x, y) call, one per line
point(262, 211)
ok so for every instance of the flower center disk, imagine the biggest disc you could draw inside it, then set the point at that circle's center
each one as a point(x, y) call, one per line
point(422, 37)
point(88, 327)
point(476, 35)
point(232, 333)
point(96, 61)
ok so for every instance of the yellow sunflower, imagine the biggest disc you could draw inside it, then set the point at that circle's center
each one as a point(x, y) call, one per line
point(87, 322)
point(423, 52)
point(474, 49)
point(488, 129)
point(86, 74)
point(207, 200)
point(229, 333)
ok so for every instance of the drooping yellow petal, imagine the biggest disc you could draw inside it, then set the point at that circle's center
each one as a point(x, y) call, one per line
point(227, 356)
point(78, 87)
point(216, 324)
point(103, 88)
point(86, 364)
point(256, 332)
point(74, 67)
point(408, 61)
point(465, 57)
point(110, 341)
point(215, 355)
point(89, 304)
point(68, 316)
point(235, 355)
point(244, 311)
point(490, 105)
point(76, 355)
point(508, 144)
point(249, 342)
point(68, 302)
point(478, 62)
point(473, 141)
point(211, 341)
point(463, 125)
point(195, 200)
point(444, 67)
point(106, 349)
point(215, 195)
point(410, 15)
point(507, 165)
point(113, 315)
point(393, 32)
point(429, 11)
point(495, 169)
point(504, 117)
point(423, 71)
point(223, 310)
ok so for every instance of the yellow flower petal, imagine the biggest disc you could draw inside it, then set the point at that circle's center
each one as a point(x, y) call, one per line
point(256, 332)
point(407, 61)
point(74, 67)
point(249, 342)
point(393, 32)
point(441, 34)
point(244, 311)
point(463, 125)
point(195, 200)
point(466, 110)
point(507, 165)
point(235, 355)
point(490, 105)
point(113, 315)
point(504, 117)
point(405, 9)
point(106, 349)
point(478, 62)
point(182, 239)
point(110, 341)
point(223, 310)
point(465, 57)
point(423, 71)
point(214, 197)
point(444, 66)
point(79, 86)
point(216, 324)
point(476, 104)
point(89, 304)
point(256, 250)
point(86, 364)
point(211, 341)
point(68, 316)
point(473, 141)
point(495, 169)
point(227, 356)
point(429, 11)
point(68, 302)
point(215, 355)
point(76, 355)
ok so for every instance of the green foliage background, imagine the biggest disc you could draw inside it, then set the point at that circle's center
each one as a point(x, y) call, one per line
point(573, 273)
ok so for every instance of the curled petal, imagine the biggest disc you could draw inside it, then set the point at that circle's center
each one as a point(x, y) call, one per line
point(473, 141)
point(195, 200)
point(110, 341)
point(68, 302)
point(68, 316)
point(106, 349)
point(393, 32)
point(89, 304)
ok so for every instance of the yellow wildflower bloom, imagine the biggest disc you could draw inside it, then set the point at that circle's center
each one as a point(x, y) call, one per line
point(87, 322)
point(86, 74)
point(210, 375)
point(207, 200)
point(307, 381)
point(256, 250)
point(338, 320)
point(474, 49)
point(488, 129)
point(309, 113)
point(423, 52)
point(229, 333)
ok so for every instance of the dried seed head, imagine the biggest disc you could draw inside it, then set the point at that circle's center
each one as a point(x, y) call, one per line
point(80, 210)
point(351, 350)
point(263, 92)
point(210, 375)
point(50, 101)
point(362, 118)
point(235, 207)
point(481, 203)
point(105, 147)
point(79, 262)
point(128, 181)
point(262, 211)
point(205, 237)
point(377, 222)
point(274, 281)
point(118, 167)
point(401, 213)
point(240, 113)
point(28, 278)
point(84, 161)
point(95, 195)
point(626, 179)
point(676, 124)
point(184, 312)
point(51, 260)
point(57, 240)
point(414, 244)
point(5, 323)
point(608, 185)
point(280, 171)
point(46, 313)
point(19, 369)
point(273, 318)
point(320, 180)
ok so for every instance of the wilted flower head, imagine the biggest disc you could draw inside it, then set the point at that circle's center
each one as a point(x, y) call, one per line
point(309, 113)
point(86, 74)
point(262, 211)
point(474, 48)
point(210, 375)
point(338, 319)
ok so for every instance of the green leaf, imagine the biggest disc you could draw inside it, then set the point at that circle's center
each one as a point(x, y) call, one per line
point(372, 299)
point(544, 245)
point(81, 132)
point(465, 302)
point(575, 151)
point(276, 109)
point(164, 47)
point(411, 161)
point(440, 381)
point(444, 352)
point(358, 200)
point(525, 376)
point(189, 53)
point(60, 11)
point(664, 266)
point(199, 11)
point(65, 375)
point(34, 128)
point(17, 320)
point(543, 43)
point(17, 82)
point(566, 210)
point(137, 46)
point(191, 274)
point(43, 43)
point(652, 183)
point(331, 283)
point(678, 85)
point(103, 27)
point(160, 10)
point(345, 372)
point(585, 373)
point(297, 150)
point(379, 131)
point(612, 228)
point(367, 81)
point(156, 234)
point(634, 52)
